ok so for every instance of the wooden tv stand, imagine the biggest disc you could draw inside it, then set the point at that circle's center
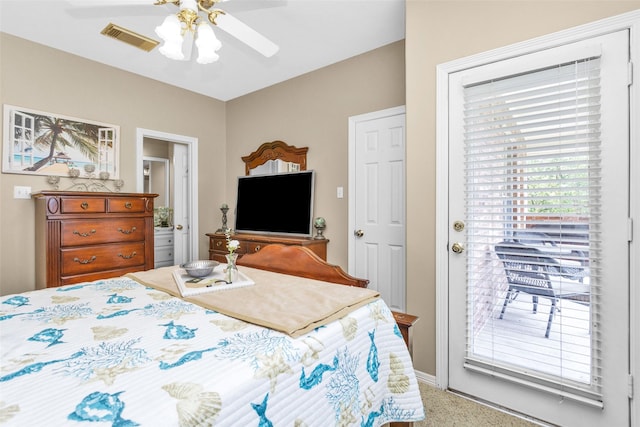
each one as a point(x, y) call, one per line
point(250, 243)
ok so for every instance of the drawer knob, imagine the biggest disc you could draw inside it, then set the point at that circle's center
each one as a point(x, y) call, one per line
point(218, 243)
point(84, 261)
point(127, 256)
point(93, 231)
point(126, 231)
point(257, 248)
point(84, 205)
point(128, 205)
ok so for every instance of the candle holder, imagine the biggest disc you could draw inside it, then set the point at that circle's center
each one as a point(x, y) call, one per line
point(224, 208)
point(320, 224)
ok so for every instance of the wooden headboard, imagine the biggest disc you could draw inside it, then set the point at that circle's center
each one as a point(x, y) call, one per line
point(299, 261)
point(276, 150)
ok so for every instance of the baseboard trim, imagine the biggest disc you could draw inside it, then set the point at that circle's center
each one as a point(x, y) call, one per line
point(425, 378)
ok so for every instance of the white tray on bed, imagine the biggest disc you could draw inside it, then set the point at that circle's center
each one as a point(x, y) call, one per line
point(214, 282)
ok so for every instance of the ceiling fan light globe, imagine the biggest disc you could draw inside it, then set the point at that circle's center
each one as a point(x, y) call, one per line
point(172, 50)
point(207, 44)
point(170, 30)
point(206, 57)
point(207, 38)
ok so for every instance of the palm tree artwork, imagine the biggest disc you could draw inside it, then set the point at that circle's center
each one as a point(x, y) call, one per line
point(43, 143)
point(57, 134)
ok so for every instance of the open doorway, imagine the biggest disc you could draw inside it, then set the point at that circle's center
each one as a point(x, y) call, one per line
point(180, 196)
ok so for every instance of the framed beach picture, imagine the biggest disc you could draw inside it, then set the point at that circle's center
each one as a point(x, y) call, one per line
point(41, 143)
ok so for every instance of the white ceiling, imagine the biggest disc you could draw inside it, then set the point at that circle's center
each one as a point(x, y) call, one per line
point(311, 34)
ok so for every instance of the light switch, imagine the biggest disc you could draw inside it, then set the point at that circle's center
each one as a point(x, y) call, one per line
point(20, 192)
point(340, 192)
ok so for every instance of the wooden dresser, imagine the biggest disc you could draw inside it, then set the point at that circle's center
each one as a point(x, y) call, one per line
point(84, 236)
point(250, 243)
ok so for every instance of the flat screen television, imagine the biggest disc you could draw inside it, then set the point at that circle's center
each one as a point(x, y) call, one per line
point(276, 204)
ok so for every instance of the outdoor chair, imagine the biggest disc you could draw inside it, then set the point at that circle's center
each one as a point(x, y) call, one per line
point(576, 269)
point(530, 271)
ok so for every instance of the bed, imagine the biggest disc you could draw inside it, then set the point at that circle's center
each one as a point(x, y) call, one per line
point(125, 352)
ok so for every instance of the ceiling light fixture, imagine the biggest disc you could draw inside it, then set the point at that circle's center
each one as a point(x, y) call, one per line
point(179, 30)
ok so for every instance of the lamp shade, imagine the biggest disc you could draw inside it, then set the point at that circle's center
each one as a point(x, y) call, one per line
point(207, 44)
point(172, 50)
point(171, 33)
point(170, 30)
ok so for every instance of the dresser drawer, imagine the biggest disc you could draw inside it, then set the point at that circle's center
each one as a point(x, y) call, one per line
point(163, 254)
point(92, 232)
point(163, 239)
point(128, 204)
point(218, 244)
point(98, 275)
point(71, 205)
point(252, 247)
point(103, 257)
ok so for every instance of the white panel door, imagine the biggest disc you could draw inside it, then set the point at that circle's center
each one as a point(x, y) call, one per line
point(379, 205)
point(495, 191)
point(181, 203)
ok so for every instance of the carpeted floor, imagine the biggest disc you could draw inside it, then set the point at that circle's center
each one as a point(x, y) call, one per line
point(444, 409)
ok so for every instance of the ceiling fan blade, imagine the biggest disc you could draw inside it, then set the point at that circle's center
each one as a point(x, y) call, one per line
point(247, 35)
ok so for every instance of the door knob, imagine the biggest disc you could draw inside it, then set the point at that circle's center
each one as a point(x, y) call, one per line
point(358, 233)
point(178, 227)
point(457, 248)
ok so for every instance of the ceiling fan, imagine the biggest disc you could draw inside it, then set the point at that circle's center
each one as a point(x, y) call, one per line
point(193, 23)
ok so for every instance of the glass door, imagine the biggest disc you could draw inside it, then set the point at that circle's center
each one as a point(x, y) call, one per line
point(538, 264)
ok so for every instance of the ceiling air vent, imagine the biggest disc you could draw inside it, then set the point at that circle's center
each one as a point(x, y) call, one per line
point(129, 37)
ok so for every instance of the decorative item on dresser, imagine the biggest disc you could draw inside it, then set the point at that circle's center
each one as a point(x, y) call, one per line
point(319, 224)
point(250, 243)
point(224, 209)
point(83, 236)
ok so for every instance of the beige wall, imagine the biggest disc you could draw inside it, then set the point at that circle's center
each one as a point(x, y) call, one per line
point(40, 78)
point(313, 111)
point(437, 32)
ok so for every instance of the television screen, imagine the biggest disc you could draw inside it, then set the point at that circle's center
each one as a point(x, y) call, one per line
point(276, 204)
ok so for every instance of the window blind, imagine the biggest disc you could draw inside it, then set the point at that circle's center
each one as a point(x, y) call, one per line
point(532, 179)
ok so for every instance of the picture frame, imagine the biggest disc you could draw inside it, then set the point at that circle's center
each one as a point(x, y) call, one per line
point(42, 143)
